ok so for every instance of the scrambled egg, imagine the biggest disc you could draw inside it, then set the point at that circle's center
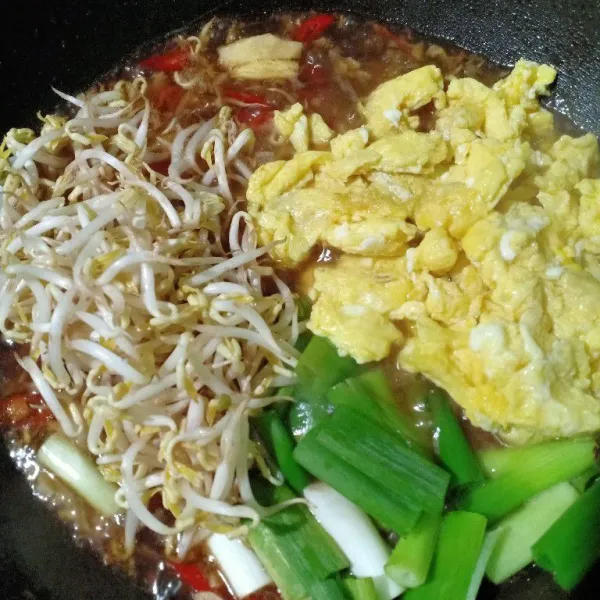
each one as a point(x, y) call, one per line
point(473, 250)
point(300, 130)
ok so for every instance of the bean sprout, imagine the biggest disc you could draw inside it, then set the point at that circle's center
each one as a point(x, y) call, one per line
point(151, 340)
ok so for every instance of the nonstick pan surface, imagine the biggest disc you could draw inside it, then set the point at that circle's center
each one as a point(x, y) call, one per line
point(70, 43)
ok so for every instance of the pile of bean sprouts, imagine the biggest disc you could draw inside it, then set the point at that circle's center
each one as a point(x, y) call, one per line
point(141, 299)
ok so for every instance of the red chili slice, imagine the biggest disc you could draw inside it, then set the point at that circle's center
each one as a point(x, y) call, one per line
point(191, 575)
point(313, 28)
point(244, 96)
point(172, 61)
point(254, 116)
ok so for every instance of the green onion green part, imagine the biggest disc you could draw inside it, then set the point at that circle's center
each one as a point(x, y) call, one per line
point(374, 469)
point(78, 471)
point(294, 549)
point(320, 367)
point(287, 390)
point(572, 545)
point(360, 588)
point(303, 340)
point(453, 449)
point(583, 481)
point(520, 530)
point(385, 458)
point(351, 393)
point(456, 560)
point(328, 589)
point(498, 461)
point(525, 472)
point(281, 446)
point(376, 500)
point(369, 393)
point(409, 563)
point(303, 416)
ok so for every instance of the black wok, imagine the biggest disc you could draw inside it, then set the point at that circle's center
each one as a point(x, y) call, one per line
point(69, 43)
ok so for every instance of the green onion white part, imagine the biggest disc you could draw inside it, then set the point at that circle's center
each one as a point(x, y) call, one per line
point(78, 471)
point(355, 534)
point(239, 565)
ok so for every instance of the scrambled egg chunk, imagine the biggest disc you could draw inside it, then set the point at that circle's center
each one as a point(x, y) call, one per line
point(357, 295)
point(391, 103)
point(302, 131)
point(472, 249)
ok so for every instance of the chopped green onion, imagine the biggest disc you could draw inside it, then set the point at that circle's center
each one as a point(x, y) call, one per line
point(458, 551)
point(360, 588)
point(452, 446)
point(238, 565)
point(286, 390)
point(303, 340)
point(320, 367)
point(328, 589)
point(523, 528)
point(385, 458)
point(267, 494)
point(583, 481)
point(370, 395)
point(572, 545)
point(381, 503)
point(525, 473)
point(355, 534)
point(375, 383)
point(410, 561)
point(351, 393)
point(489, 543)
point(304, 416)
point(78, 471)
point(374, 469)
point(498, 461)
point(294, 549)
point(281, 446)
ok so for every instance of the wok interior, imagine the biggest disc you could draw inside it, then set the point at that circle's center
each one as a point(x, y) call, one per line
point(259, 142)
